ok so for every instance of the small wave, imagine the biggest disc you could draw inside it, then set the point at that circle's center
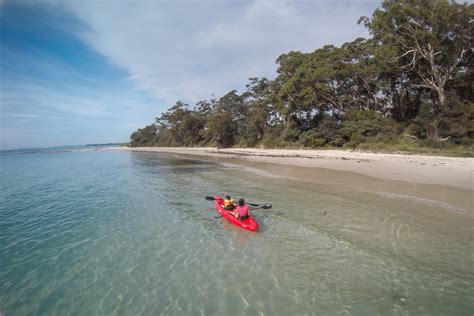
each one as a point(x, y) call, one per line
point(256, 171)
point(422, 200)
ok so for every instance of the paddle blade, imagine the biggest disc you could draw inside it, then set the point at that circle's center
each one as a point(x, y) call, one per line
point(210, 198)
point(267, 206)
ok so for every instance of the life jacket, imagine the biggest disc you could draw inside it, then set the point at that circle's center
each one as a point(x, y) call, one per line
point(242, 210)
point(228, 202)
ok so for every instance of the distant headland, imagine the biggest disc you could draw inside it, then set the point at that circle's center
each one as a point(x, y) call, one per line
point(106, 144)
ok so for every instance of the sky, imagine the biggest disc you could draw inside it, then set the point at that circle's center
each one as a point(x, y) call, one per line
point(92, 71)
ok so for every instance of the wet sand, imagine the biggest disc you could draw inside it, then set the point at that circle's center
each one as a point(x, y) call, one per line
point(446, 182)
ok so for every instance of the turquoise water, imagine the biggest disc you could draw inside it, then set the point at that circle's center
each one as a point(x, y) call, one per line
point(109, 232)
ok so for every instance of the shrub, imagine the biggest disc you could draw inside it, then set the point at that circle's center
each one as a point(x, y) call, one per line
point(310, 139)
point(358, 125)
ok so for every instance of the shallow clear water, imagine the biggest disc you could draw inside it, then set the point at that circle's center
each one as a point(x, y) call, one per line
point(88, 233)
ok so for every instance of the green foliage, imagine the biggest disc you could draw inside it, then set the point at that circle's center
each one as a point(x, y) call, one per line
point(425, 124)
point(309, 139)
point(258, 108)
point(220, 129)
point(325, 134)
point(457, 123)
point(291, 131)
point(407, 88)
point(360, 125)
point(143, 136)
point(430, 41)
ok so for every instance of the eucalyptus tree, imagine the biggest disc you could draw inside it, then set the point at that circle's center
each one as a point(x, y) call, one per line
point(413, 75)
point(259, 110)
point(288, 84)
point(325, 80)
point(222, 125)
point(364, 87)
point(430, 38)
point(179, 126)
point(143, 136)
point(220, 129)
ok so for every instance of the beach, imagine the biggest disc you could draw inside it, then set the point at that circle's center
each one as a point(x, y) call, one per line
point(450, 171)
point(443, 179)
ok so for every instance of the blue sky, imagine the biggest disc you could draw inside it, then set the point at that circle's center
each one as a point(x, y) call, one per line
point(93, 71)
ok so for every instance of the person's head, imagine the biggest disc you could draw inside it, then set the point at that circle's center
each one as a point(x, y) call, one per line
point(227, 197)
point(241, 202)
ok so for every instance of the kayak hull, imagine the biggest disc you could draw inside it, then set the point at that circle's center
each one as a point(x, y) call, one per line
point(248, 224)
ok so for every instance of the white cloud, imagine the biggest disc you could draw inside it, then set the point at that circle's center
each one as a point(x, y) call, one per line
point(34, 114)
point(192, 49)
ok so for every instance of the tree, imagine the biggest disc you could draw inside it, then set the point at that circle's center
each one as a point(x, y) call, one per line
point(179, 126)
point(364, 88)
point(143, 136)
point(414, 76)
point(221, 129)
point(258, 105)
point(431, 38)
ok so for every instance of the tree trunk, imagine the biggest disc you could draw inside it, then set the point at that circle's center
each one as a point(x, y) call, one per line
point(441, 96)
point(308, 119)
point(438, 80)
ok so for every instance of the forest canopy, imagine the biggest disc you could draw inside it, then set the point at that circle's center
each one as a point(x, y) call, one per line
point(409, 85)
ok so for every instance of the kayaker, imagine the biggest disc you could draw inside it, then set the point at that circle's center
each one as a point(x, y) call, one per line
point(242, 210)
point(229, 203)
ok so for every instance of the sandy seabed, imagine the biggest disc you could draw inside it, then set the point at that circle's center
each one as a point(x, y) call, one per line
point(445, 179)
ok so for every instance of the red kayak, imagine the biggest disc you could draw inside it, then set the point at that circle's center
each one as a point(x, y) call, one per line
point(249, 223)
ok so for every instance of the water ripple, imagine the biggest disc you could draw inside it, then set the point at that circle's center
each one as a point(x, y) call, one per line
point(130, 233)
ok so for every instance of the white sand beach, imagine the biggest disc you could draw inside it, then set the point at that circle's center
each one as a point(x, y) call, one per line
point(437, 170)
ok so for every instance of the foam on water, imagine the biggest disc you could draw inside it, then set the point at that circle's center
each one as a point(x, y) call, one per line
point(428, 202)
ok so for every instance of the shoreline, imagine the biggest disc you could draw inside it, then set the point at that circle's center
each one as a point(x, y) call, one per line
point(437, 170)
point(447, 180)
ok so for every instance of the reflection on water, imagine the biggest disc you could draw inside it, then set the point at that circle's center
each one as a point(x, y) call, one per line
point(131, 233)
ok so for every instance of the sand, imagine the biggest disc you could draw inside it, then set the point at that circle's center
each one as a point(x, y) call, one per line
point(448, 180)
point(448, 171)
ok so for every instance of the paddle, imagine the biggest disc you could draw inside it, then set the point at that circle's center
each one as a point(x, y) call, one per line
point(210, 198)
point(263, 207)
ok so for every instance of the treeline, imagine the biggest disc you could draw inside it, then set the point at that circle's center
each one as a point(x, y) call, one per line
point(409, 85)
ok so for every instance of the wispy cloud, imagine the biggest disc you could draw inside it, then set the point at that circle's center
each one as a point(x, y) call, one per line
point(93, 71)
point(192, 49)
point(56, 90)
point(46, 116)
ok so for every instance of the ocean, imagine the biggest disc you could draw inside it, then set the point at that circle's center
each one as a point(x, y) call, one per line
point(87, 231)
